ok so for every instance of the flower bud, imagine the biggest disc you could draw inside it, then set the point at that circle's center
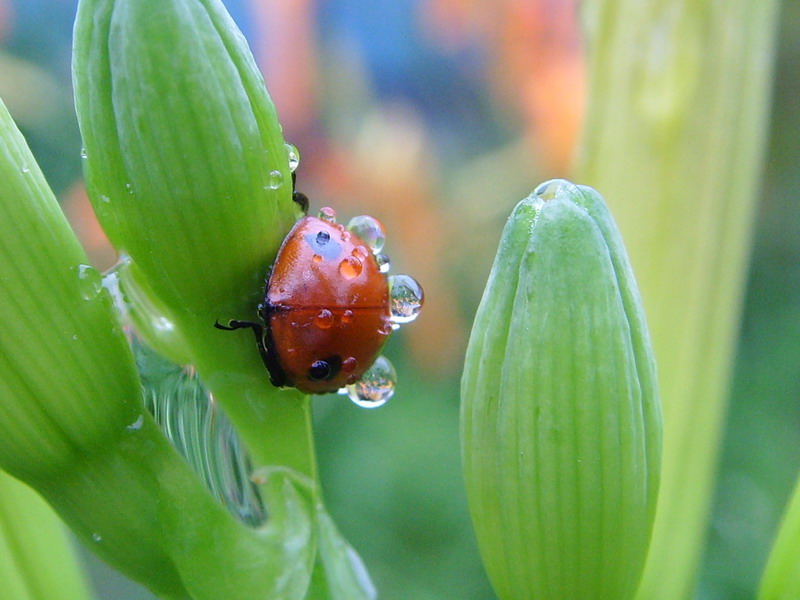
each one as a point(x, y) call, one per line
point(184, 159)
point(561, 425)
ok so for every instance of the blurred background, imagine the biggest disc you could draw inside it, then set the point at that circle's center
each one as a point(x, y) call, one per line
point(437, 116)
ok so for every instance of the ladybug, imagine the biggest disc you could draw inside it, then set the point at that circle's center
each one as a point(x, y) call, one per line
point(328, 307)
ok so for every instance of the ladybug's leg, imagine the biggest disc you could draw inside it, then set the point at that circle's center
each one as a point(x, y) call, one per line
point(300, 199)
point(276, 375)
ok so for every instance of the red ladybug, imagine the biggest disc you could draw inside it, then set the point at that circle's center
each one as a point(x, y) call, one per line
point(326, 308)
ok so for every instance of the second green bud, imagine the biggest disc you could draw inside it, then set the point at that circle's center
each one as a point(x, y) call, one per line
point(561, 422)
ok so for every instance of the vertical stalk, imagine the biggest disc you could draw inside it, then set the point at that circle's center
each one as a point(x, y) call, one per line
point(674, 140)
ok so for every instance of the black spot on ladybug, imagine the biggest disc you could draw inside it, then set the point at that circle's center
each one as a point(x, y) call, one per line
point(322, 244)
point(325, 369)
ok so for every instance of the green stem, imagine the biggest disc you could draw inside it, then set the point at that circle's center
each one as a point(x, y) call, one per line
point(674, 140)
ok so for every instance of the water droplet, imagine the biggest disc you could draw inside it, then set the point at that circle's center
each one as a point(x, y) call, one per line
point(97, 537)
point(344, 235)
point(350, 267)
point(360, 252)
point(25, 169)
point(105, 199)
point(384, 264)
point(550, 189)
point(316, 258)
point(137, 424)
point(129, 187)
point(349, 364)
point(275, 180)
point(376, 386)
point(407, 298)
point(327, 214)
point(324, 319)
point(89, 282)
point(385, 328)
point(294, 156)
point(75, 338)
point(347, 316)
point(370, 230)
point(84, 154)
point(323, 237)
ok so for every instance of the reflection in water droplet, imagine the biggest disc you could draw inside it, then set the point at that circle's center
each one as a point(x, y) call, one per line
point(294, 156)
point(137, 424)
point(327, 214)
point(376, 386)
point(323, 237)
point(370, 230)
point(89, 282)
point(275, 180)
point(360, 252)
point(349, 364)
point(406, 298)
point(350, 267)
point(384, 264)
point(550, 189)
point(324, 319)
point(194, 423)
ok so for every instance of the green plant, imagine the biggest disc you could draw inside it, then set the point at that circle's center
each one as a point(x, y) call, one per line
point(189, 175)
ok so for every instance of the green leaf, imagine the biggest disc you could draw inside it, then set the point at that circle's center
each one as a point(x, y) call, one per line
point(36, 558)
point(340, 573)
point(781, 578)
point(561, 430)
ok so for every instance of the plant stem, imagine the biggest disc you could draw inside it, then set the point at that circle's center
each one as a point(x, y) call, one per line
point(674, 140)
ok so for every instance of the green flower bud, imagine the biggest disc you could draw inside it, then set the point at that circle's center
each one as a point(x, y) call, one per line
point(561, 425)
point(60, 344)
point(185, 163)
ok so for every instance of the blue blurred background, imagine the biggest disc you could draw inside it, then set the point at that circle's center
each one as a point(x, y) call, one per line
point(436, 116)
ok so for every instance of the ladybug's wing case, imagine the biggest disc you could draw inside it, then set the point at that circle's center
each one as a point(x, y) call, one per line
point(327, 301)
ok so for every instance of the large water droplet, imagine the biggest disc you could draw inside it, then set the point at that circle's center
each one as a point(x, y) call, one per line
point(384, 264)
point(90, 282)
point(376, 386)
point(370, 230)
point(407, 298)
point(198, 428)
point(275, 179)
point(350, 267)
point(327, 214)
point(294, 156)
